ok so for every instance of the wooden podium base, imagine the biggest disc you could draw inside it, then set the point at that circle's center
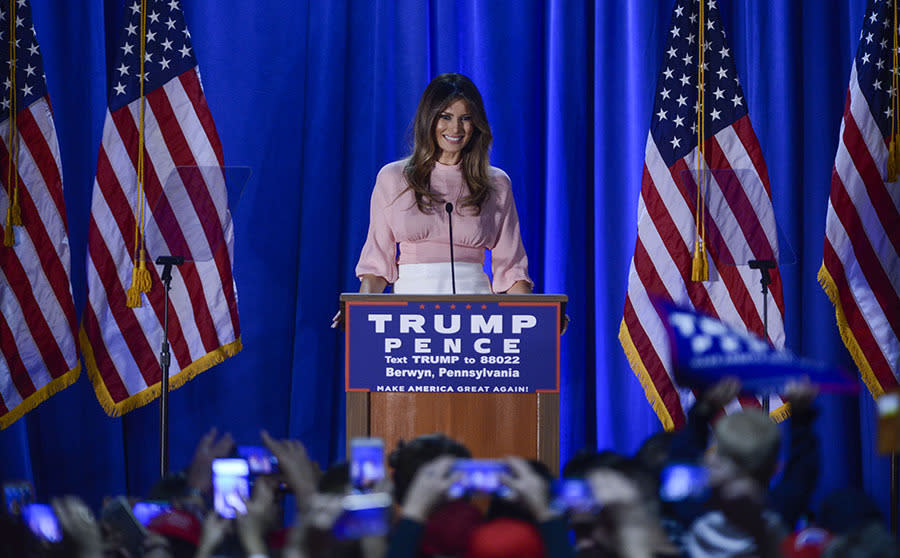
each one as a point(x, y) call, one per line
point(490, 425)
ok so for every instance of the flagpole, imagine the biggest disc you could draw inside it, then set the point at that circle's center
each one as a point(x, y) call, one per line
point(895, 492)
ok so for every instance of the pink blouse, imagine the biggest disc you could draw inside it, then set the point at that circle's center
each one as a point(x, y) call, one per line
point(425, 238)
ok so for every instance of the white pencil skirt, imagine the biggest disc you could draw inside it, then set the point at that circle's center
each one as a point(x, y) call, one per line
point(434, 278)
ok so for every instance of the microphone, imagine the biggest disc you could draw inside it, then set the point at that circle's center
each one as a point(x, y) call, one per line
point(449, 208)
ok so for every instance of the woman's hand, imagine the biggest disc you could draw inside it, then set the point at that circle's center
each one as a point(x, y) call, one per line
point(338, 320)
point(520, 287)
point(368, 284)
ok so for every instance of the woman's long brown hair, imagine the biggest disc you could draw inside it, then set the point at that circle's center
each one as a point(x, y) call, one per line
point(475, 162)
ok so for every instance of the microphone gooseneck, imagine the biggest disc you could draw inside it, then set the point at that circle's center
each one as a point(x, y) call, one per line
point(449, 208)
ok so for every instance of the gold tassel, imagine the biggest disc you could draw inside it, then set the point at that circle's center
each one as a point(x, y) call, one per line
point(15, 216)
point(133, 295)
point(699, 264)
point(141, 279)
point(9, 237)
point(892, 160)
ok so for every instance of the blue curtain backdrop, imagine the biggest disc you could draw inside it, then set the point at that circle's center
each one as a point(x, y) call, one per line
point(316, 96)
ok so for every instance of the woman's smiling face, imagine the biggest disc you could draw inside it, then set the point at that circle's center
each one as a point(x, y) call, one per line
point(453, 131)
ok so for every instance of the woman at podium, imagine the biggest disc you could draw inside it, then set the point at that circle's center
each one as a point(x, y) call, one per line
point(447, 177)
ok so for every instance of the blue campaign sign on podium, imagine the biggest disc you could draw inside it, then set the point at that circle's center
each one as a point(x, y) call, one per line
point(452, 344)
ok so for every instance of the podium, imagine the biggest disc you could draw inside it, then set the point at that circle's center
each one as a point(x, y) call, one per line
point(483, 369)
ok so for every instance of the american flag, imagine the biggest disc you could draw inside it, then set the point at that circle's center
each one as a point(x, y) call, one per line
point(739, 219)
point(861, 266)
point(121, 344)
point(38, 354)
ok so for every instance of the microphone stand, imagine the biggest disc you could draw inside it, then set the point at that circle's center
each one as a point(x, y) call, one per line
point(164, 359)
point(449, 208)
point(765, 280)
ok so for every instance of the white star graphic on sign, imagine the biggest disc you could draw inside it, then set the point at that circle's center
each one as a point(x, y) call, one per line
point(120, 89)
point(33, 49)
point(151, 36)
point(711, 4)
point(694, 127)
point(173, 5)
point(681, 100)
point(29, 70)
point(123, 70)
point(661, 114)
point(127, 48)
point(132, 29)
point(685, 79)
point(170, 23)
point(883, 43)
point(880, 64)
point(710, 24)
point(185, 51)
point(705, 66)
point(146, 76)
point(672, 52)
point(690, 39)
point(147, 57)
point(693, 18)
point(154, 17)
point(167, 45)
point(26, 91)
point(736, 100)
point(6, 83)
point(664, 93)
point(2, 15)
point(869, 38)
point(874, 18)
point(164, 63)
point(679, 11)
point(687, 59)
point(668, 73)
point(5, 104)
point(676, 143)
point(722, 73)
point(877, 84)
point(20, 22)
point(889, 112)
point(715, 114)
point(865, 58)
point(679, 121)
point(187, 33)
point(724, 52)
point(675, 32)
point(135, 8)
point(719, 93)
